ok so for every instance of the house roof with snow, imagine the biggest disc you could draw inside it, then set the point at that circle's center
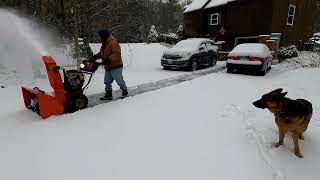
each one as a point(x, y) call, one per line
point(215, 3)
point(199, 4)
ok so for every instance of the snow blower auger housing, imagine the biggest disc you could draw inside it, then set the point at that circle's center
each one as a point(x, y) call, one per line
point(68, 96)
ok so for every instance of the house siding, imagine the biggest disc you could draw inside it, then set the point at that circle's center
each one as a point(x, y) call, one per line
point(241, 18)
point(244, 18)
point(304, 21)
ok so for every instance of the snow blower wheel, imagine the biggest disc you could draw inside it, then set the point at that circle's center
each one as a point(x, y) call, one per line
point(81, 102)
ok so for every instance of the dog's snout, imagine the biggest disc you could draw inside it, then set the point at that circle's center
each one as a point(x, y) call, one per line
point(259, 104)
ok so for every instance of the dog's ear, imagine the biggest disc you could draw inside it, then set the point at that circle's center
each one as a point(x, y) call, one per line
point(277, 90)
point(284, 94)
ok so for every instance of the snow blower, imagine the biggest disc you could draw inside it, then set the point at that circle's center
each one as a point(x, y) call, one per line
point(68, 96)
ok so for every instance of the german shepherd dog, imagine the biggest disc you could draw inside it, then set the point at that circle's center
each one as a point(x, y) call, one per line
point(290, 115)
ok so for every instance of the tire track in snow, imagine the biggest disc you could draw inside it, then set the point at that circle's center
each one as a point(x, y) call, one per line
point(278, 173)
point(152, 86)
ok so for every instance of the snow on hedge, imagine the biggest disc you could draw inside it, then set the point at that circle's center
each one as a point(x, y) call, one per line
point(251, 49)
point(305, 59)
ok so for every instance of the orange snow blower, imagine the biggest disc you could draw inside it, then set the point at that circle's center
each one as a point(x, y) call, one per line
point(67, 96)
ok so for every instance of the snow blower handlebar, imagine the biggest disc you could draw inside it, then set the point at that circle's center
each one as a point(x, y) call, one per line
point(89, 66)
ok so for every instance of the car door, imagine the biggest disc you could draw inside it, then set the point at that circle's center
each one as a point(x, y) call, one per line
point(202, 54)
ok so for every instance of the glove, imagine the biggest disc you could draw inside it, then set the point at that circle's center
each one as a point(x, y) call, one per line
point(92, 59)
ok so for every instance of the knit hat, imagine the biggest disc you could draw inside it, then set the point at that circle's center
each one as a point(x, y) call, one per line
point(104, 33)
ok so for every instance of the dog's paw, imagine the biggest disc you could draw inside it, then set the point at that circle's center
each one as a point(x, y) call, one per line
point(278, 144)
point(298, 154)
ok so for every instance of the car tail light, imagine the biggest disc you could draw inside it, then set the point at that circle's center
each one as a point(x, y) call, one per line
point(234, 57)
point(255, 59)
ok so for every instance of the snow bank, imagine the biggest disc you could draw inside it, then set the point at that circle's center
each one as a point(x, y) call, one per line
point(305, 59)
point(251, 50)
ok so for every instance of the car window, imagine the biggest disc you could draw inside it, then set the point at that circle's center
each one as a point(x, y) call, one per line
point(204, 46)
point(211, 46)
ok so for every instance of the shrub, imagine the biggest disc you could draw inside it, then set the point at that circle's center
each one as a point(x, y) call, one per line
point(288, 52)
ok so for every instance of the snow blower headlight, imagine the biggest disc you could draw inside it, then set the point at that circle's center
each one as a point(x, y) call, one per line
point(82, 66)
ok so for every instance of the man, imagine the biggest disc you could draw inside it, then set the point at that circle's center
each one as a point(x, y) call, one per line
point(110, 53)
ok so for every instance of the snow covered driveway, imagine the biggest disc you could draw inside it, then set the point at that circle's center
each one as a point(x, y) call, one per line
point(94, 99)
point(206, 128)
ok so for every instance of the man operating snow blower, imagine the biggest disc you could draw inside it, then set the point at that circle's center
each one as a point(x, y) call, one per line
point(110, 53)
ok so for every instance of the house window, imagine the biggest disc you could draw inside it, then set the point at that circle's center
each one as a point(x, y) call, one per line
point(291, 13)
point(214, 19)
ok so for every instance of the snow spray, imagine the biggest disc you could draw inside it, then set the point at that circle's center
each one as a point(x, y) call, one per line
point(22, 45)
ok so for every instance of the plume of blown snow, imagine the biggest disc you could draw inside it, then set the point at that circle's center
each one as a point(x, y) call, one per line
point(23, 43)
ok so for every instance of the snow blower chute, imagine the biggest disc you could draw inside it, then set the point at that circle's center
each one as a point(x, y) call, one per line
point(67, 97)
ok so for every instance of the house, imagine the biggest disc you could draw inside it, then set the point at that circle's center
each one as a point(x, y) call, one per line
point(239, 21)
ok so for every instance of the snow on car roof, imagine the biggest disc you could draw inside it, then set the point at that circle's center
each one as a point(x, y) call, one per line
point(251, 49)
point(215, 3)
point(191, 43)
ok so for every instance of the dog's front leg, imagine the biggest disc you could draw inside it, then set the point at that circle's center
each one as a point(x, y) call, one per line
point(282, 133)
point(295, 138)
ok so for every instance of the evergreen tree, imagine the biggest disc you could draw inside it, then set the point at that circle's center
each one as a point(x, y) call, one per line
point(153, 35)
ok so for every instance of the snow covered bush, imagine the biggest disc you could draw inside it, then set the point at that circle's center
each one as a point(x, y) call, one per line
point(303, 60)
point(170, 38)
point(316, 42)
point(288, 52)
point(153, 35)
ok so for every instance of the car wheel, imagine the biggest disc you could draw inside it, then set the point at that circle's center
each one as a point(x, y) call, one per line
point(194, 65)
point(229, 70)
point(269, 68)
point(264, 72)
point(211, 63)
point(214, 62)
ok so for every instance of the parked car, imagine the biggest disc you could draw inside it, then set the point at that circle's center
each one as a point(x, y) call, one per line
point(190, 54)
point(250, 56)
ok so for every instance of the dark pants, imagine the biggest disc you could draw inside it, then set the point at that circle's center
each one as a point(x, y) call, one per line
point(114, 74)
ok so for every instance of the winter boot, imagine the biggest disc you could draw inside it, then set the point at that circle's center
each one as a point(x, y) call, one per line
point(124, 94)
point(107, 96)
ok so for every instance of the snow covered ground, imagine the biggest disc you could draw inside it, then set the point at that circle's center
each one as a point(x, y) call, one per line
point(206, 128)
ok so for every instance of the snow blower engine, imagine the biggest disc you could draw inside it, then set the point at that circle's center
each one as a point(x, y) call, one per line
point(68, 96)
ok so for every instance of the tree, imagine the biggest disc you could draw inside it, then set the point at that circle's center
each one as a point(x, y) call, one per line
point(153, 35)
